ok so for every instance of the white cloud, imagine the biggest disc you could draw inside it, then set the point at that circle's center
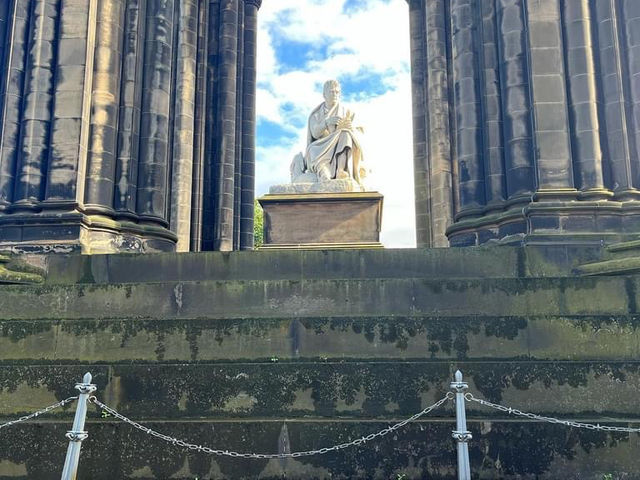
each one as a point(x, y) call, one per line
point(373, 40)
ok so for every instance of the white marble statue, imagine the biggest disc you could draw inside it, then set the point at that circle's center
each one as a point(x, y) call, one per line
point(333, 160)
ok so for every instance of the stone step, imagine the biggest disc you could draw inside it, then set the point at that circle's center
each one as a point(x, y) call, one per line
point(309, 298)
point(624, 248)
point(327, 390)
point(278, 339)
point(618, 266)
point(300, 350)
point(15, 272)
point(475, 262)
point(421, 449)
point(619, 259)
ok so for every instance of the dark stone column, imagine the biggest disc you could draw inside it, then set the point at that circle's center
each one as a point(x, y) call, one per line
point(629, 30)
point(183, 132)
point(38, 98)
point(421, 174)
point(439, 122)
point(620, 148)
point(72, 104)
point(209, 177)
point(6, 12)
point(199, 142)
point(495, 187)
point(126, 174)
point(14, 59)
point(101, 163)
point(237, 181)
point(154, 129)
point(552, 143)
point(173, 105)
point(249, 124)
point(6, 169)
point(468, 109)
point(583, 97)
point(226, 127)
point(516, 101)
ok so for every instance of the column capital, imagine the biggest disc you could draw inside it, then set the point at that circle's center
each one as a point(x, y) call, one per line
point(255, 3)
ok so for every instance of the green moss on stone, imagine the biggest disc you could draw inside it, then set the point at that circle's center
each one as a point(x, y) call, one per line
point(15, 271)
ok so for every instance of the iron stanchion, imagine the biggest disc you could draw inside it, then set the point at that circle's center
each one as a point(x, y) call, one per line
point(77, 434)
point(461, 434)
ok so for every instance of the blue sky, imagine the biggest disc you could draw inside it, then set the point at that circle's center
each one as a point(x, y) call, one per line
point(365, 45)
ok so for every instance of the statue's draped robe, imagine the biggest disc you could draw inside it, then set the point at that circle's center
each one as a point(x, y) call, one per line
point(325, 143)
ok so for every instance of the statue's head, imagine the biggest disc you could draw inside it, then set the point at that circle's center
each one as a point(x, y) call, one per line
point(331, 91)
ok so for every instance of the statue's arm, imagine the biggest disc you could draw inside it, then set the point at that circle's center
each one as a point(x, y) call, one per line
point(318, 125)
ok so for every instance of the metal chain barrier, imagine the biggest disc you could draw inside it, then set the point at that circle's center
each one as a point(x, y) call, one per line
point(199, 448)
point(542, 418)
point(39, 412)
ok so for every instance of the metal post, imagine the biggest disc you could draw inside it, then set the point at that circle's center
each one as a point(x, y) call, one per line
point(461, 434)
point(77, 434)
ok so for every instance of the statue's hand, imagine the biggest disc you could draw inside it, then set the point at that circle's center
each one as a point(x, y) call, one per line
point(344, 123)
point(333, 121)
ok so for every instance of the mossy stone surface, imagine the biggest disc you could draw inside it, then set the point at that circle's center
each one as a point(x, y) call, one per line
point(423, 450)
point(307, 350)
point(15, 271)
point(392, 337)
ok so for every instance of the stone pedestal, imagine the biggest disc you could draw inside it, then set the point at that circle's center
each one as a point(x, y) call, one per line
point(322, 220)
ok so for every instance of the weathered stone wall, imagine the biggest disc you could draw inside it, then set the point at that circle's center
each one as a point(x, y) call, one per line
point(253, 351)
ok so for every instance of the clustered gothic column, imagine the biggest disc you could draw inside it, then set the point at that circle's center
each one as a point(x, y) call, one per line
point(433, 168)
point(15, 26)
point(38, 138)
point(248, 140)
point(227, 180)
point(127, 125)
point(526, 124)
point(226, 126)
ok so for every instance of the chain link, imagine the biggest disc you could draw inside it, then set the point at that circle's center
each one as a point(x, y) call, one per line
point(542, 418)
point(199, 448)
point(39, 412)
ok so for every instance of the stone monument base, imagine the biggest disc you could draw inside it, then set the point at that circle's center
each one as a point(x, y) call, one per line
point(322, 220)
point(77, 232)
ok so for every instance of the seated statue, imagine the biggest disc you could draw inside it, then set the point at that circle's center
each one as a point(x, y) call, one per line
point(333, 146)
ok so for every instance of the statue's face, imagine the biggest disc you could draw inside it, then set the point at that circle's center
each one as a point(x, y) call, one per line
point(332, 93)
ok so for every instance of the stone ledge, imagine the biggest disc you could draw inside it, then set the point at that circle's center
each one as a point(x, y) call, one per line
point(391, 337)
point(12, 272)
point(310, 297)
point(321, 246)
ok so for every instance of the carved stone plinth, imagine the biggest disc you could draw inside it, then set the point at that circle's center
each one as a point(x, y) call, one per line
point(322, 220)
point(75, 232)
